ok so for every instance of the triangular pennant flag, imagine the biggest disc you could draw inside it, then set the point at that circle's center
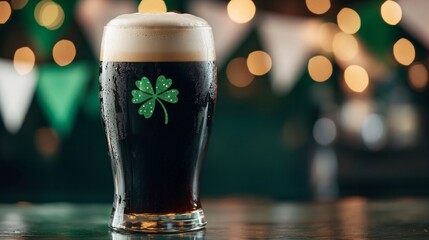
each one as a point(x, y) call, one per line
point(415, 18)
point(95, 14)
point(287, 41)
point(16, 94)
point(227, 33)
point(60, 91)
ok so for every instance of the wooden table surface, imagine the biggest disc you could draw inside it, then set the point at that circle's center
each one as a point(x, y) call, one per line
point(233, 219)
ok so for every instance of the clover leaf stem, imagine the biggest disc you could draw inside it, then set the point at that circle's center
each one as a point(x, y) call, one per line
point(165, 111)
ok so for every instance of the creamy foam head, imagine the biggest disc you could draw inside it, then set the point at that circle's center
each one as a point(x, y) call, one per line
point(157, 37)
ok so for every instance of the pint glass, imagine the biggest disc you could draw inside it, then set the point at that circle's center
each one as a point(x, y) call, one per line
point(157, 92)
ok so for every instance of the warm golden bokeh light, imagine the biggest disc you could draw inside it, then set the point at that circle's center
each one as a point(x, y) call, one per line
point(259, 63)
point(345, 46)
point(356, 78)
point(18, 4)
point(49, 14)
point(5, 12)
point(24, 60)
point(418, 76)
point(38, 9)
point(318, 6)
point(52, 16)
point(348, 20)
point(353, 114)
point(64, 52)
point(319, 68)
point(47, 141)
point(241, 11)
point(152, 6)
point(238, 74)
point(404, 52)
point(391, 12)
point(325, 35)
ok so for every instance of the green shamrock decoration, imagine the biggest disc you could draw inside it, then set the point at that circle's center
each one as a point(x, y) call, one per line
point(148, 97)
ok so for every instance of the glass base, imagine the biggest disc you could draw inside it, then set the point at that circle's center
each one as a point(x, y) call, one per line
point(159, 223)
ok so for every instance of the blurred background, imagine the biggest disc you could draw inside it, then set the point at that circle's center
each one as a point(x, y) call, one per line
point(317, 99)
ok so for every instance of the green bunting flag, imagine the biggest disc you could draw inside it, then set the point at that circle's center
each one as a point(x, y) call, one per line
point(60, 91)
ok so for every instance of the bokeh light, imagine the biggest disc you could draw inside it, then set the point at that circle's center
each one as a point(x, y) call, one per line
point(24, 60)
point(418, 76)
point(356, 78)
point(64, 52)
point(152, 6)
point(47, 141)
point(238, 74)
point(348, 20)
point(320, 68)
point(404, 51)
point(325, 35)
point(403, 122)
point(345, 46)
point(49, 14)
point(259, 63)
point(373, 132)
point(18, 4)
point(5, 12)
point(318, 6)
point(241, 11)
point(391, 12)
point(353, 114)
point(324, 131)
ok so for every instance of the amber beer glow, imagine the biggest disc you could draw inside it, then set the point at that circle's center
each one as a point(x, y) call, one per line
point(157, 93)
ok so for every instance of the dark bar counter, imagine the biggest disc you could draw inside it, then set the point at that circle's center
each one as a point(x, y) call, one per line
point(351, 218)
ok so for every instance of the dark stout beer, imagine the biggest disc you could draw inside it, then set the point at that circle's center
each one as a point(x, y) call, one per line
point(160, 162)
point(157, 93)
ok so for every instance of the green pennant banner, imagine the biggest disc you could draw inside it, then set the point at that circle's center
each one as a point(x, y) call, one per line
point(60, 91)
